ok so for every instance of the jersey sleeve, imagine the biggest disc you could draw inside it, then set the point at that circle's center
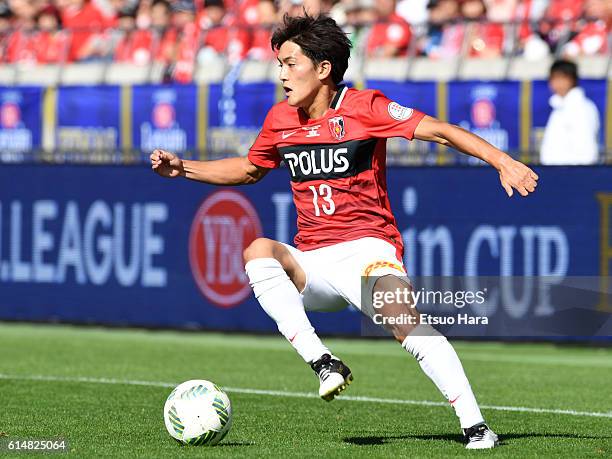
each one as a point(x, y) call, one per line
point(385, 118)
point(263, 152)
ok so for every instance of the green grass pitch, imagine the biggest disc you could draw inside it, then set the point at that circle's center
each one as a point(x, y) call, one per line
point(104, 390)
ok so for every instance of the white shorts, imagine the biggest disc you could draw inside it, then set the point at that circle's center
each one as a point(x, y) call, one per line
point(336, 274)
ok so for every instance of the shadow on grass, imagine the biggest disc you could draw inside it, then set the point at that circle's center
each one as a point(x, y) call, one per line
point(235, 443)
point(381, 439)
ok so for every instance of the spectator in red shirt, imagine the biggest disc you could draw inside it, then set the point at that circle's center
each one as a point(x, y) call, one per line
point(134, 45)
point(164, 36)
point(24, 14)
point(52, 43)
point(390, 36)
point(219, 38)
point(5, 30)
point(593, 36)
point(186, 41)
point(248, 12)
point(21, 45)
point(443, 37)
point(530, 43)
point(267, 19)
point(564, 10)
point(560, 21)
point(143, 14)
point(85, 23)
point(484, 39)
point(110, 10)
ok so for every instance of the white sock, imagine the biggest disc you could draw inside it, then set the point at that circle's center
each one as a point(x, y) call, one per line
point(440, 362)
point(281, 300)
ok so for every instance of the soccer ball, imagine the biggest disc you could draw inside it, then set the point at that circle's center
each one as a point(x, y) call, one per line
point(198, 412)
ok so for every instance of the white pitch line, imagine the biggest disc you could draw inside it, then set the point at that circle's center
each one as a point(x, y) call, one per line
point(278, 393)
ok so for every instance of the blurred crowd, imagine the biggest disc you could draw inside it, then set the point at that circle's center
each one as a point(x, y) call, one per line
point(183, 32)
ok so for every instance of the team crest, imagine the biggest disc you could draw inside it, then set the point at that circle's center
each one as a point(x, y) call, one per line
point(336, 127)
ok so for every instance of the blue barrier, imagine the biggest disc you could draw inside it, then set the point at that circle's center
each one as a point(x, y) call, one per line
point(119, 245)
point(223, 119)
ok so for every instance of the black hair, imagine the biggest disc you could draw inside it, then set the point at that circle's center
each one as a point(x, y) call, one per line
point(5, 11)
point(217, 3)
point(164, 3)
point(320, 38)
point(565, 67)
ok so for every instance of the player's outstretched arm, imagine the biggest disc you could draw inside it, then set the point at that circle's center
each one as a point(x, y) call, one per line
point(512, 174)
point(228, 171)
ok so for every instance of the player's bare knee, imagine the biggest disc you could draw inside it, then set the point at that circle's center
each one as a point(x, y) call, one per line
point(260, 248)
point(391, 283)
point(397, 309)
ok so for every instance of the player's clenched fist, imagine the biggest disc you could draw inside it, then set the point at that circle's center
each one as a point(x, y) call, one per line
point(514, 174)
point(166, 164)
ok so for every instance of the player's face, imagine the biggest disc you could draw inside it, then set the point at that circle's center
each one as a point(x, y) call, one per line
point(298, 74)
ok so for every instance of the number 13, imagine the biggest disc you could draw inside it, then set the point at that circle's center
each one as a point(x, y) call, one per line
point(325, 192)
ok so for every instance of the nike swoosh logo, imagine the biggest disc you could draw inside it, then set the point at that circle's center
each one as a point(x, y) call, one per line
point(288, 134)
point(453, 401)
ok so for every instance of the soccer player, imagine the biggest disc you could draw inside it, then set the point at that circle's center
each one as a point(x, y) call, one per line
point(332, 140)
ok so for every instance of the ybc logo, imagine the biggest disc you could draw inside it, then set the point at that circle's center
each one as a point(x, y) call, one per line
point(336, 127)
point(224, 225)
point(10, 115)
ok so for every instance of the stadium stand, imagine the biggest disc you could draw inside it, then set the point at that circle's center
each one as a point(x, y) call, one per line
point(254, 71)
point(132, 41)
point(522, 68)
point(90, 73)
point(7, 75)
point(385, 68)
point(42, 75)
point(125, 73)
point(178, 44)
point(494, 68)
point(423, 68)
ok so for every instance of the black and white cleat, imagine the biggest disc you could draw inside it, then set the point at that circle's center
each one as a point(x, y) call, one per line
point(480, 437)
point(334, 376)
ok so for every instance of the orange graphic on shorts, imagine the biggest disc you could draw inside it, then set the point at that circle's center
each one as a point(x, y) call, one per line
point(382, 264)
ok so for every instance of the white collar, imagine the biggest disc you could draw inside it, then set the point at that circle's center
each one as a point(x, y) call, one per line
point(557, 101)
point(339, 97)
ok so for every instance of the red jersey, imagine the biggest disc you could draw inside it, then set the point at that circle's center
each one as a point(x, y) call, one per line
point(337, 165)
point(592, 39)
point(52, 48)
point(395, 31)
point(84, 24)
point(232, 41)
point(187, 48)
point(135, 47)
point(22, 46)
point(564, 10)
point(260, 44)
